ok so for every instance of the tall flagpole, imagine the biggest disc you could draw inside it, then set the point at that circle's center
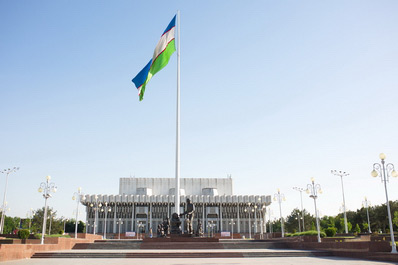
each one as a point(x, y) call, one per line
point(177, 186)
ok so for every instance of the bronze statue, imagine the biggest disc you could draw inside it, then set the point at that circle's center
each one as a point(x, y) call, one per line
point(166, 226)
point(175, 224)
point(160, 232)
point(199, 229)
point(189, 214)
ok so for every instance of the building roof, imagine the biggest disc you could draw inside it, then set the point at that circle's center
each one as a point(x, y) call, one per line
point(130, 199)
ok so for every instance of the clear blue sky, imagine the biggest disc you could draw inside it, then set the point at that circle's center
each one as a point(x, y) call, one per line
point(272, 92)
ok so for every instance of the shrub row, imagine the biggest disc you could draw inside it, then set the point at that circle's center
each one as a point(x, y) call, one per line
point(307, 233)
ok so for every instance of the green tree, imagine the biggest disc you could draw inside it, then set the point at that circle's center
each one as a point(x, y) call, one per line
point(10, 224)
point(37, 221)
point(330, 231)
point(365, 226)
point(337, 223)
point(292, 221)
point(23, 233)
point(276, 226)
point(380, 218)
point(357, 229)
point(342, 225)
point(349, 226)
point(70, 226)
point(395, 219)
point(24, 223)
point(327, 221)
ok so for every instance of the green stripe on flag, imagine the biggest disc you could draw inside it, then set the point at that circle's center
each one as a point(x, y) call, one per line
point(162, 60)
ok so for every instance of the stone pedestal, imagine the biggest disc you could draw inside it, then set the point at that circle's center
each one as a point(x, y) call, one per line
point(181, 238)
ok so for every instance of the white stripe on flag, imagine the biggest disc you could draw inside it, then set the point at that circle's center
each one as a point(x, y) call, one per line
point(162, 44)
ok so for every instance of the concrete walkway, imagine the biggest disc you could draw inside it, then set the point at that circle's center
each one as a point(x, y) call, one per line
point(177, 250)
point(208, 261)
point(193, 261)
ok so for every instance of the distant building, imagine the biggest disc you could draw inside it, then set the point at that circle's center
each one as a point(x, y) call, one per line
point(143, 203)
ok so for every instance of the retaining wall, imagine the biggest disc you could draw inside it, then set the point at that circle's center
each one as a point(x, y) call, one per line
point(25, 251)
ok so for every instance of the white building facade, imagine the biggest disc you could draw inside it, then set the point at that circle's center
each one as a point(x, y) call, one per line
point(143, 203)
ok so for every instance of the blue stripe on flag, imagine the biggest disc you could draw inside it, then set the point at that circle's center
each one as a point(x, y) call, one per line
point(141, 77)
point(171, 25)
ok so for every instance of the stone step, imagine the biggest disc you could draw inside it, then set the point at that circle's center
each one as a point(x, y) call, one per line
point(80, 255)
point(181, 245)
point(254, 245)
point(108, 245)
point(171, 244)
point(180, 239)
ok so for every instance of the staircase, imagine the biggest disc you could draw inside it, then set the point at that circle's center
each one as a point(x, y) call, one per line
point(113, 255)
point(110, 244)
point(179, 248)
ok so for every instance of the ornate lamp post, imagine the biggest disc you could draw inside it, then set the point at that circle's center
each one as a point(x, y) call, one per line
point(107, 209)
point(139, 225)
point(29, 215)
point(95, 209)
point(385, 171)
point(366, 204)
point(269, 219)
point(249, 210)
point(213, 225)
point(76, 196)
point(341, 208)
point(280, 197)
point(342, 174)
point(298, 221)
point(4, 209)
point(87, 227)
point(65, 220)
point(210, 228)
point(120, 222)
point(51, 213)
point(7, 172)
point(46, 188)
point(302, 211)
point(264, 209)
point(314, 189)
point(232, 228)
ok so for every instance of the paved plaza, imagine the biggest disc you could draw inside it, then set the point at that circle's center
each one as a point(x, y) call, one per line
point(209, 261)
point(193, 261)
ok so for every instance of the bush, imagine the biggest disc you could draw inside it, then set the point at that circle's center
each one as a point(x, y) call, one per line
point(330, 231)
point(357, 229)
point(38, 236)
point(309, 233)
point(58, 235)
point(23, 233)
point(61, 232)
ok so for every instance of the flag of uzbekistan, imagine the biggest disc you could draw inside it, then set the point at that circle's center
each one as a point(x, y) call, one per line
point(161, 56)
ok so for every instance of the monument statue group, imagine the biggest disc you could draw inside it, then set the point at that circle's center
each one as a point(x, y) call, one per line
point(173, 226)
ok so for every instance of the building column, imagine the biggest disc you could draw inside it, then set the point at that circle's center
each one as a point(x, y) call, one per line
point(203, 218)
point(238, 218)
point(220, 217)
point(132, 216)
point(264, 221)
point(205, 224)
point(126, 220)
point(150, 217)
point(86, 218)
point(136, 227)
point(114, 220)
point(255, 220)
